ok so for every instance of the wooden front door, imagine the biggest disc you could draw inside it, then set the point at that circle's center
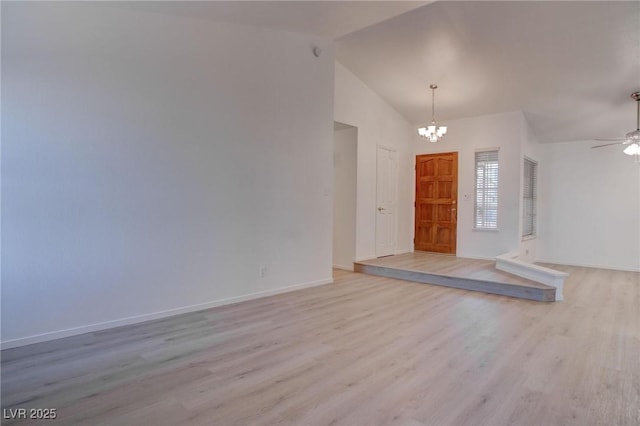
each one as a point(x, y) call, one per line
point(436, 198)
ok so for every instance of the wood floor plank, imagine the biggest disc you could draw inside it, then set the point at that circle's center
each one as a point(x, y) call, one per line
point(362, 351)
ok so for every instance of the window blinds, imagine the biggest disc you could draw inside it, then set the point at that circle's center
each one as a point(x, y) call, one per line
point(529, 196)
point(486, 201)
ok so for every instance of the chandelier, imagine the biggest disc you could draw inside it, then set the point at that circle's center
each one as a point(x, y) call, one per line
point(433, 132)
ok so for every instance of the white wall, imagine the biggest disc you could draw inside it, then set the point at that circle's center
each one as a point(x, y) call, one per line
point(378, 124)
point(591, 214)
point(465, 136)
point(345, 152)
point(152, 163)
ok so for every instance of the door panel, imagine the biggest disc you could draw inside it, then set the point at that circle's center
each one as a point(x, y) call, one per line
point(436, 198)
point(386, 181)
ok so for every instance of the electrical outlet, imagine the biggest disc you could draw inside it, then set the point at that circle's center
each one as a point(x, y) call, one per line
point(263, 271)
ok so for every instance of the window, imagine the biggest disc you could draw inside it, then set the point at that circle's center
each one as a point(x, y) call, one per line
point(486, 201)
point(529, 195)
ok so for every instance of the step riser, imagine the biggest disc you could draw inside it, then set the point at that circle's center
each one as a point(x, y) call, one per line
point(509, 262)
point(540, 295)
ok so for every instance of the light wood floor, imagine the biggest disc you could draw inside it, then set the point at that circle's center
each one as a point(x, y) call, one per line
point(451, 266)
point(362, 351)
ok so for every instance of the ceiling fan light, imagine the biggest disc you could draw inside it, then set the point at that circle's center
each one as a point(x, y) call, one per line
point(633, 149)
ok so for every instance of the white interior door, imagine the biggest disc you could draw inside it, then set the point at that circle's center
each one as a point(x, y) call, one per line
point(387, 172)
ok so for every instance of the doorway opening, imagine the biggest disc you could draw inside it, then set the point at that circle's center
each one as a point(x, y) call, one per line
point(387, 201)
point(345, 156)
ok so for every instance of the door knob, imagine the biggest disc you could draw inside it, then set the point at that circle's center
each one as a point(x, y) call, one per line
point(380, 209)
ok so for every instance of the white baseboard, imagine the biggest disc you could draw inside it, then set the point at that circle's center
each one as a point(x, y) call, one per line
point(344, 267)
point(373, 256)
point(589, 265)
point(363, 258)
point(59, 334)
point(466, 256)
point(404, 251)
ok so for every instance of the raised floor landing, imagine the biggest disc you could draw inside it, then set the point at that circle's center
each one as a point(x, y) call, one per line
point(456, 272)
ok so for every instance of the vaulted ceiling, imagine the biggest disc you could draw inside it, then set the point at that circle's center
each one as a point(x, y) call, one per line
point(324, 18)
point(569, 66)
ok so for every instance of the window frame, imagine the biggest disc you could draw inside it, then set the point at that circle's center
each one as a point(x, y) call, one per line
point(529, 198)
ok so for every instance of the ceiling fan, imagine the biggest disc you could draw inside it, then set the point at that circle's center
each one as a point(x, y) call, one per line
point(631, 139)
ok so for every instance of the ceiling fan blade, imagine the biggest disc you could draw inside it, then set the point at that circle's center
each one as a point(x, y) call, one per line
point(608, 144)
point(631, 138)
